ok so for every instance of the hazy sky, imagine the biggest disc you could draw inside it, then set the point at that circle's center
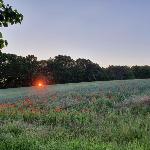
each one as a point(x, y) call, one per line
point(108, 32)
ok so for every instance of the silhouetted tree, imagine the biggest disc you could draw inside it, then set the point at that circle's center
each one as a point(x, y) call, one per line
point(17, 71)
point(119, 73)
point(88, 71)
point(62, 67)
point(141, 72)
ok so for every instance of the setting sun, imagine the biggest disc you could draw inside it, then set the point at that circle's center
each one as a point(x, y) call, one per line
point(40, 84)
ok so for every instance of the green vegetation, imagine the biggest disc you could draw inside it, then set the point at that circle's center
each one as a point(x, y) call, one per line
point(112, 115)
point(18, 71)
point(8, 16)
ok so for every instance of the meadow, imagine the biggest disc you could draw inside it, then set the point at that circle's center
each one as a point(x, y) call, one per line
point(109, 115)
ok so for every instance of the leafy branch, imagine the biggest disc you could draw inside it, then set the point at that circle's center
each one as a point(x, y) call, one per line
point(8, 16)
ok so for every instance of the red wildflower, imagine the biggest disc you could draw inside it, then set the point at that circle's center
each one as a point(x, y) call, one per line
point(58, 109)
point(28, 103)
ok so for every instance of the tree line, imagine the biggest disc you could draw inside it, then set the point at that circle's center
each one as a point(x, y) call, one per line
point(18, 71)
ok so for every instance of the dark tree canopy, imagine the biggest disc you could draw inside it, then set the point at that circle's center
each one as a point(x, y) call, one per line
point(119, 73)
point(8, 16)
point(18, 71)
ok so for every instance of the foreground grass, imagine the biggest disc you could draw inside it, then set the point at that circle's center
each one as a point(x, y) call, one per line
point(94, 126)
point(96, 121)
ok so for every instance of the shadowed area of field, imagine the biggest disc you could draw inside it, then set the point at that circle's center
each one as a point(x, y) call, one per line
point(68, 93)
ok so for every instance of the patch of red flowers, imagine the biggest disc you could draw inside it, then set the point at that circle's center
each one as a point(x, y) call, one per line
point(58, 109)
point(28, 103)
point(7, 105)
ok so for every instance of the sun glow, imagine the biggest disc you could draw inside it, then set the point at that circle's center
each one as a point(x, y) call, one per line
point(40, 84)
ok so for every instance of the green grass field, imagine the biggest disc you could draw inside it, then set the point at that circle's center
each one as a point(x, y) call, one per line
point(112, 115)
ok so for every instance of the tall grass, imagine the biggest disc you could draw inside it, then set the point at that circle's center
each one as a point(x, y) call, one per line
point(85, 120)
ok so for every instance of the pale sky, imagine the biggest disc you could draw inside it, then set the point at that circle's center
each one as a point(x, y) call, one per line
point(108, 32)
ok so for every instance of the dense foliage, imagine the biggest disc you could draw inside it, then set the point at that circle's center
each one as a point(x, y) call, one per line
point(17, 71)
point(8, 16)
